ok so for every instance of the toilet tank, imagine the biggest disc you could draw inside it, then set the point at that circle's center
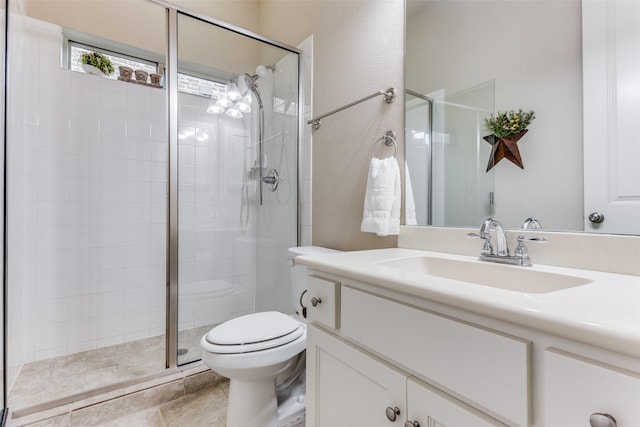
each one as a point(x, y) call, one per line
point(299, 275)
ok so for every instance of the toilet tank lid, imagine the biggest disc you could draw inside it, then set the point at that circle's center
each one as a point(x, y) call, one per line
point(253, 328)
point(309, 250)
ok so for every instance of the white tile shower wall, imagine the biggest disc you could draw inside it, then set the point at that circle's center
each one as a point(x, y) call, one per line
point(87, 204)
point(88, 174)
point(217, 249)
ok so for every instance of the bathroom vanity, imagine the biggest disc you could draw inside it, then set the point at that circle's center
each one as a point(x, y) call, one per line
point(417, 338)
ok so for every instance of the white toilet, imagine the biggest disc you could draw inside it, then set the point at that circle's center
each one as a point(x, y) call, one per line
point(261, 353)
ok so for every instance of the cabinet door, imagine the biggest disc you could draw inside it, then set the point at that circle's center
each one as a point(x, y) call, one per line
point(347, 388)
point(432, 408)
point(576, 388)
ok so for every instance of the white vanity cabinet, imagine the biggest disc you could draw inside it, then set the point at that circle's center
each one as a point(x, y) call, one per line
point(379, 357)
point(575, 388)
point(347, 387)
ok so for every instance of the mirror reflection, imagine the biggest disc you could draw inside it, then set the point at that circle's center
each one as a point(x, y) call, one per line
point(532, 51)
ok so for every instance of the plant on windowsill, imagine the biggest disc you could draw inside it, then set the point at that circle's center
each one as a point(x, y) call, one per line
point(507, 128)
point(96, 63)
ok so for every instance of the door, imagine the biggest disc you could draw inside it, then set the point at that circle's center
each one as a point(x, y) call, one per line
point(347, 388)
point(430, 407)
point(611, 66)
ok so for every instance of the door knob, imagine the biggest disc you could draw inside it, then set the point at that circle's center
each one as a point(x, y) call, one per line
point(596, 217)
point(411, 424)
point(315, 301)
point(392, 413)
point(602, 420)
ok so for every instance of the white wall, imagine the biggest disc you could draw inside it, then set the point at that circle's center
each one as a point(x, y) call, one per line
point(533, 51)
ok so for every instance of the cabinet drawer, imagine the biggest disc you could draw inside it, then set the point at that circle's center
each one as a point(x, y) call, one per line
point(576, 388)
point(323, 301)
point(486, 369)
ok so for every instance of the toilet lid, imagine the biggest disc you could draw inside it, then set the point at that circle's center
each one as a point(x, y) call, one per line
point(254, 332)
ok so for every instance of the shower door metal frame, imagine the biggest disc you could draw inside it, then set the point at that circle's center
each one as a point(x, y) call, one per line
point(173, 12)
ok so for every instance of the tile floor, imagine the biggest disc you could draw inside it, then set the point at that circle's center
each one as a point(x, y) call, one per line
point(197, 401)
point(194, 396)
point(206, 407)
point(77, 373)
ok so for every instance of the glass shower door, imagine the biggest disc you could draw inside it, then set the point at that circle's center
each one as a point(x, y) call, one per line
point(3, 38)
point(237, 177)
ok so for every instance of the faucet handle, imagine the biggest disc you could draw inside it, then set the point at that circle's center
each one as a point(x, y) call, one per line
point(521, 253)
point(487, 247)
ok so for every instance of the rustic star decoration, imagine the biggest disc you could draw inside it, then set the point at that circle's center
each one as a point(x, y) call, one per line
point(505, 147)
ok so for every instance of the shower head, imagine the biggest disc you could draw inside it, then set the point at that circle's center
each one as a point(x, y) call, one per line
point(261, 70)
point(251, 83)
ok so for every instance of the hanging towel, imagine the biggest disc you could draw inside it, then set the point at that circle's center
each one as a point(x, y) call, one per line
point(409, 201)
point(382, 198)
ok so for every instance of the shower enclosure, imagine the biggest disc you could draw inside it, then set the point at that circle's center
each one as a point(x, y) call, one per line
point(140, 215)
point(447, 157)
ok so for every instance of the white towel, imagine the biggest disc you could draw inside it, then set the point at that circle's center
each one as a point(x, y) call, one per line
point(409, 201)
point(382, 198)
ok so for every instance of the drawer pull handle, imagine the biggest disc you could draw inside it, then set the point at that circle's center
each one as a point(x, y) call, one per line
point(315, 301)
point(411, 424)
point(602, 420)
point(392, 413)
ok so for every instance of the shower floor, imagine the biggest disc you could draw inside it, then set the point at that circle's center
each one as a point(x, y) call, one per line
point(45, 380)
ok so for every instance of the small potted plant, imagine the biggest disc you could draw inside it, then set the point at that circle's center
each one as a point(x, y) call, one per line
point(96, 63)
point(507, 128)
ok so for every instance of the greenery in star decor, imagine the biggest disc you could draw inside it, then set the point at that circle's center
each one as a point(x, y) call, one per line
point(97, 60)
point(505, 123)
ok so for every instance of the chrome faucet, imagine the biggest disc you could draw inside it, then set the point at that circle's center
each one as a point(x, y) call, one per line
point(501, 253)
point(502, 248)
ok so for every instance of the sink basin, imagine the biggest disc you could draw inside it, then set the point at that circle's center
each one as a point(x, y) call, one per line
point(513, 278)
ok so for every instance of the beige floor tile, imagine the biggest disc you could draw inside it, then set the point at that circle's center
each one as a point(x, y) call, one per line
point(148, 418)
point(123, 406)
point(205, 408)
point(61, 421)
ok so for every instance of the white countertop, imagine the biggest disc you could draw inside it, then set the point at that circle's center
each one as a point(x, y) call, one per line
point(604, 313)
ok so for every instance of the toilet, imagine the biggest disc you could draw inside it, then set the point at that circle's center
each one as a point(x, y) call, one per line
point(263, 356)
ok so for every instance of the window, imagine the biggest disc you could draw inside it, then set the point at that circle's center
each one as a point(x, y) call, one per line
point(186, 83)
point(202, 87)
point(117, 59)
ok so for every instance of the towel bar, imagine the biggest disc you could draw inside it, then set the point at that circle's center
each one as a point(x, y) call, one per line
point(389, 97)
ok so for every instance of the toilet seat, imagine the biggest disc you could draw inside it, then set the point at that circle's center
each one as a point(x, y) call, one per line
point(253, 332)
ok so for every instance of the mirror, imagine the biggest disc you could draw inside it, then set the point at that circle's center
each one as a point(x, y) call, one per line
point(531, 51)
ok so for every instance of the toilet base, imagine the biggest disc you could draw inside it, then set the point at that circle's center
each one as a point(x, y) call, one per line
point(252, 403)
